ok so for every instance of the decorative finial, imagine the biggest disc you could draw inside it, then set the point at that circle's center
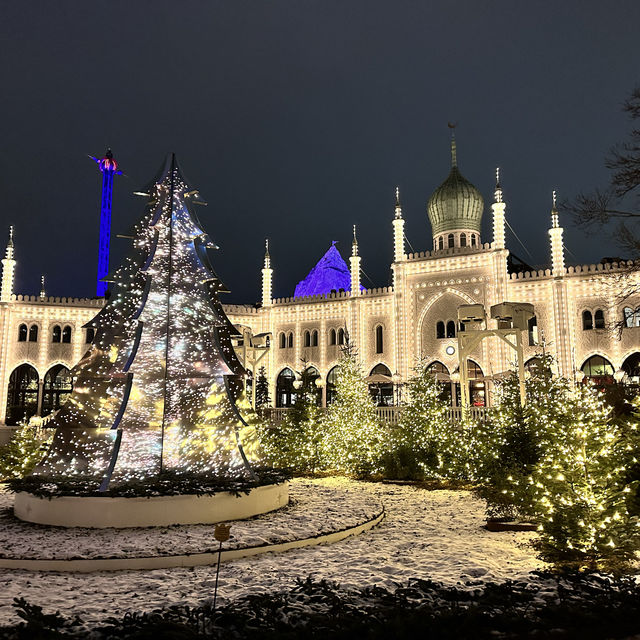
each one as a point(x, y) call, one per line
point(454, 151)
point(43, 293)
point(267, 256)
point(10, 243)
point(354, 244)
point(554, 211)
point(498, 191)
point(397, 196)
point(266, 246)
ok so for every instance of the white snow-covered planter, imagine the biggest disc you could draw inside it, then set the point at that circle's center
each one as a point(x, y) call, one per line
point(157, 511)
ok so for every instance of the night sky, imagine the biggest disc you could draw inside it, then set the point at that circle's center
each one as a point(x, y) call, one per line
point(296, 119)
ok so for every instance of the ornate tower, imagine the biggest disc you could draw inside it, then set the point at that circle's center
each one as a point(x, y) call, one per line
point(354, 262)
point(455, 209)
point(8, 270)
point(498, 208)
point(557, 247)
point(398, 231)
point(109, 167)
point(267, 277)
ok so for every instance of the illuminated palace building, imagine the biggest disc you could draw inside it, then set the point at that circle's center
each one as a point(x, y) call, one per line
point(43, 337)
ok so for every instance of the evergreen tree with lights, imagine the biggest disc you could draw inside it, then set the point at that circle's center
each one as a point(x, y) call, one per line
point(424, 443)
point(581, 488)
point(157, 389)
point(354, 438)
point(263, 399)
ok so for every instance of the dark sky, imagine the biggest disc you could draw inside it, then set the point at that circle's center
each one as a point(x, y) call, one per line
point(297, 118)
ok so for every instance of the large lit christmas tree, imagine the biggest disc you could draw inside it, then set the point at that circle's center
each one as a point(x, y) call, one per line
point(157, 389)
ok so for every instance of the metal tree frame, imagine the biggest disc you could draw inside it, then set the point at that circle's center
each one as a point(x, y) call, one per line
point(515, 314)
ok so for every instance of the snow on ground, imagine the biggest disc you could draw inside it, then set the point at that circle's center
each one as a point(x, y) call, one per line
point(434, 535)
point(314, 509)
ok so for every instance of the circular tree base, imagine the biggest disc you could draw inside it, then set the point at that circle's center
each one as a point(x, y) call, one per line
point(104, 511)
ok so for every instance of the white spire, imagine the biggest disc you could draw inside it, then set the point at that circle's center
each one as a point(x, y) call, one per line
point(398, 231)
point(267, 277)
point(43, 293)
point(498, 208)
point(8, 270)
point(557, 245)
point(354, 263)
point(354, 244)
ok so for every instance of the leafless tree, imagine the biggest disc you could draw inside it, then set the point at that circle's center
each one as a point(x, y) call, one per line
point(615, 210)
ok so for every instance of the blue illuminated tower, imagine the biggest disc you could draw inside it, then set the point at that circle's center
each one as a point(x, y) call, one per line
point(109, 168)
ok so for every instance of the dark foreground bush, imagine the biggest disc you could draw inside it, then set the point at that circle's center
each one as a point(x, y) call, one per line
point(550, 606)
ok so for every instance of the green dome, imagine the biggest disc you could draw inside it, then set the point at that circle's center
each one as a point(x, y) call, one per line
point(456, 203)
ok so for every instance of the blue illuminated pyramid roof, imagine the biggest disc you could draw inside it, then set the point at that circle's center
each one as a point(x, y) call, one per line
point(330, 273)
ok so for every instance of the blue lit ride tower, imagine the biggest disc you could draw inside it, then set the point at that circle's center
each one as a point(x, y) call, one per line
point(109, 168)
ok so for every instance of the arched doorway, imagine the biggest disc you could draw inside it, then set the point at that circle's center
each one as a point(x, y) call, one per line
point(381, 385)
point(477, 390)
point(309, 377)
point(598, 369)
point(443, 378)
point(332, 378)
point(58, 384)
point(285, 391)
point(631, 366)
point(22, 397)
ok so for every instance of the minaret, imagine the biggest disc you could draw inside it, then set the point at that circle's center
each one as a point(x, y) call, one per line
point(354, 262)
point(557, 247)
point(498, 208)
point(267, 277)
point(8, 270)
point(109, 167)
point(43, 293)
point(398, 231)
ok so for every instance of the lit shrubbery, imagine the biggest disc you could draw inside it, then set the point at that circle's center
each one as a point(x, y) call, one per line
point(25, 449)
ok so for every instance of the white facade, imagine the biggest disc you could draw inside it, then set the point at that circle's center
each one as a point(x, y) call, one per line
point(392, 326)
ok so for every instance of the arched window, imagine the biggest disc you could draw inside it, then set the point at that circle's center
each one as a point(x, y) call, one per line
point(463, 239)
point(22, 333)
point(473, 239)
point(450, 241)
point(631, 317)
point(290, 340)
point(332, 336)
point(58, 384)
point(599, 319)
point(381, 385)
point(598, 367)
point(340, 336)
point(332, 378)
point(314, 338)
point(533, 331)
point(440, 329)
point(90, 335)
point(282, 341)
point(309, 377)
point(33, 333)
point(56, 333)
point(307, 339)
point(285, 391)
point(22, 397)
point(451, 329)
point(66, 334)
point(441, 243)
point(533, 364)
point(587, 320)
point(379, 336)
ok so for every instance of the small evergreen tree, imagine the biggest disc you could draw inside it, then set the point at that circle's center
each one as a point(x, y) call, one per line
point(262, 389)
point(421, 444)
point(354, 438)
point(295, 443)
point(581, 489)
point(24, 451)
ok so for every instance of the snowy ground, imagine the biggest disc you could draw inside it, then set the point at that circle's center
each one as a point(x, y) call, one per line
point(314, 509)
point(426, 534)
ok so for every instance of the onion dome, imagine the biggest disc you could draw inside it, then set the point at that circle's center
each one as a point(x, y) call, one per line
point(456, 203)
